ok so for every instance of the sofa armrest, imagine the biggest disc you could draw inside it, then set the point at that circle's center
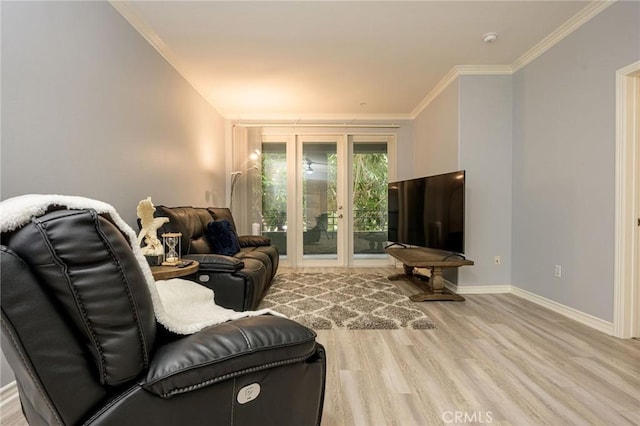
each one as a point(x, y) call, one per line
point(225, 351)
point(216, 262)
point(253, 241)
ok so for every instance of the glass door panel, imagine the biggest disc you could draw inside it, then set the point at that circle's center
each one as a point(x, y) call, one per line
point(319, 180)
point(274, 195)
point(369, 171)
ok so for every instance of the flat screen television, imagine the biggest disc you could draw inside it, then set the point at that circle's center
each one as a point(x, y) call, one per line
point(428, 212)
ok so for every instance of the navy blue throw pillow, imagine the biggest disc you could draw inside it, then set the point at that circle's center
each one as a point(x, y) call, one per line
point(222, 237)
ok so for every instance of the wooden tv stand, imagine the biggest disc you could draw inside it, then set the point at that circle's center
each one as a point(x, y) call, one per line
point(435, 260)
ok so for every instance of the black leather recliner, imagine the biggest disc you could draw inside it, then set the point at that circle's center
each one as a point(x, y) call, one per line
point(239, 281)
point(79, 332)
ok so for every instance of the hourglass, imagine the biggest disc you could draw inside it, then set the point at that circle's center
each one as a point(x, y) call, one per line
point(172, 248)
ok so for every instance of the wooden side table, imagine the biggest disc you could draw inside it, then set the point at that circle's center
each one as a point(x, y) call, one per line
point(435, 260)
point(168, 272)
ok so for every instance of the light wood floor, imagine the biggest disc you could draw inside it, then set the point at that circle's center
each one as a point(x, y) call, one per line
point(493, 359)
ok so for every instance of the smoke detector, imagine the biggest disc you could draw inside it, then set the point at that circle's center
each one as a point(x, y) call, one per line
point(489, 38)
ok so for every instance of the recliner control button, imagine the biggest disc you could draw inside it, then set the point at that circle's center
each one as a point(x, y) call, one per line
point(248, 393)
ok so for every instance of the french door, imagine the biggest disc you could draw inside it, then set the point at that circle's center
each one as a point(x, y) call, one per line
point(320, 200)
point(371, 166)
point(324, 197)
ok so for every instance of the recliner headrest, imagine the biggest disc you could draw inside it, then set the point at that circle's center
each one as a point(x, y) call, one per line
point(89, 267)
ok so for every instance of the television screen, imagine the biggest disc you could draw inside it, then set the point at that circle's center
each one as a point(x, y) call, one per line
point(428, 212)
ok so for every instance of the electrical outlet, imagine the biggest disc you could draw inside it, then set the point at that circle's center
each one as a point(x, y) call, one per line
point(497, 260)
point(558, 271)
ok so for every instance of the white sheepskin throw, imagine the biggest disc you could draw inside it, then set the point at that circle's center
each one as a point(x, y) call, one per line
point(181, 306)
point(193, 306)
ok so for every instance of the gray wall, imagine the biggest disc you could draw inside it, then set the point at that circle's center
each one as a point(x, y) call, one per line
point(404, 147)
point(563, 162)
point(468, 126)
point(435, 146)
point(90, 108)
point(485, 154)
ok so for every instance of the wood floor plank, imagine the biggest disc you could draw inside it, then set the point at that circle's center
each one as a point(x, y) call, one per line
point(494, 356)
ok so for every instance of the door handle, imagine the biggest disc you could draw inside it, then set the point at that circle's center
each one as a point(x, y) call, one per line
point(340, 216)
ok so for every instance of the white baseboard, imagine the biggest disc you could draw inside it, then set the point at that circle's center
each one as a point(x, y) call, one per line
point(8, 393)
point(574, 314)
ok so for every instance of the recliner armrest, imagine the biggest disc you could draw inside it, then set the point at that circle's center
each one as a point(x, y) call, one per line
point(253, 241)
point(216, 262)
point(225, 351)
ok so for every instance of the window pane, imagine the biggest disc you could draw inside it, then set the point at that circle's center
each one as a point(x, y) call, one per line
point(319, 204)
point(274, 194)
point(370, 165)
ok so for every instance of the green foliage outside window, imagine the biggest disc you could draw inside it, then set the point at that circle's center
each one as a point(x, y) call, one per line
point(274, 190)
point(369, 190)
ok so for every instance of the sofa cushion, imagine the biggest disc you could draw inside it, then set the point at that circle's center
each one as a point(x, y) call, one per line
point(222, 213)
point(191, 222)
point(222, 237)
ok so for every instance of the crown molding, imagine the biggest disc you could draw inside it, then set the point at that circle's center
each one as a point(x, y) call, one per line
point(572, 24)
point(453, 74)
point(143, 28)
point(483, 69)
point(124, 9)
point(575, 22)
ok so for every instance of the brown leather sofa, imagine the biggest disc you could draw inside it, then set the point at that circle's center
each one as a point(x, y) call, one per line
point(79, 332)
point(239, 281)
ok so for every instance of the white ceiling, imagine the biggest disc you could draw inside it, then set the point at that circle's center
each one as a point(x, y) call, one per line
point(349, 59)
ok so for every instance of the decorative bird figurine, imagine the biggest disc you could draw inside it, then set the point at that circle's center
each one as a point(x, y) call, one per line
point(150, 225)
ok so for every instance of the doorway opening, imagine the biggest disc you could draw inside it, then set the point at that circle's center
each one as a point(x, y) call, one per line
point(627, 230)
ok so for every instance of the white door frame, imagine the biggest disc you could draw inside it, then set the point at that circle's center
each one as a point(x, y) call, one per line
point(626, 269)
